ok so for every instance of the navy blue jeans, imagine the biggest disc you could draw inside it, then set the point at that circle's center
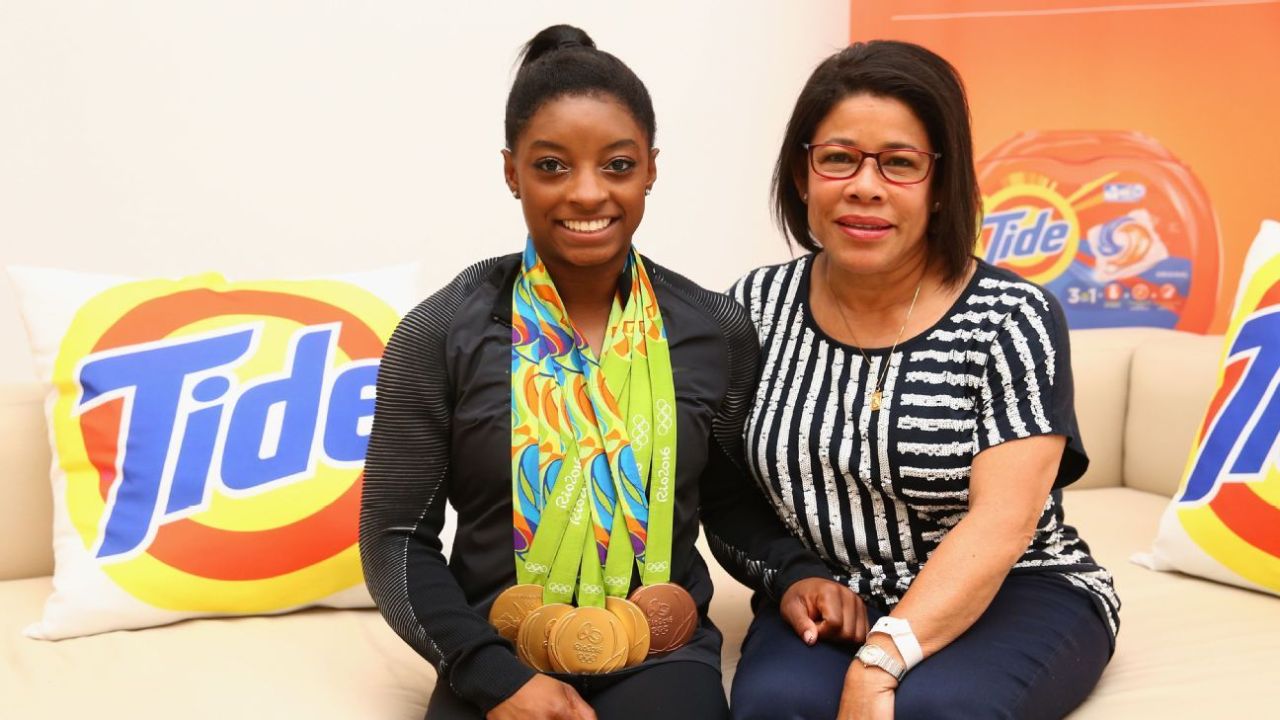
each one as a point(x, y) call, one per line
point(1036, 652)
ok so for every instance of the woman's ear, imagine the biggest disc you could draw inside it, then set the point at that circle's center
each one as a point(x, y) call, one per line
point(800, 176)
point(653, 169)
point(509, 173)
point(802, 187)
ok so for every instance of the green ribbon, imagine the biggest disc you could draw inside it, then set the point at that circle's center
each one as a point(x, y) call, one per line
point(593, 442)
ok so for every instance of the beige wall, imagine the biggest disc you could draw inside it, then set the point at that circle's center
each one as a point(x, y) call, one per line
point(313, 137)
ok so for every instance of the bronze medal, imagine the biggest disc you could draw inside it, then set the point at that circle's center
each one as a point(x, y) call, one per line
point(588, 640)
point(531, 643)
point(512, 606)
point(636, 625)
point(671, 612)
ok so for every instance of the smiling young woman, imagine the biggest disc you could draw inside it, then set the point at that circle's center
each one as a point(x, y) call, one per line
point(536, 394)
point(582, 168)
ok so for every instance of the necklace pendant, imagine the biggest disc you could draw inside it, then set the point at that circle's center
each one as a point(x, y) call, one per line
point(876, 400)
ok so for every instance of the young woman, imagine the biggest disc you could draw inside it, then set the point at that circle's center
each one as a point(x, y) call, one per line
point(581, 408)
point(914, 421)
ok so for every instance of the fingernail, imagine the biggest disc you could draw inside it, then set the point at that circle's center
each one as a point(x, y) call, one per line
point(809, 637)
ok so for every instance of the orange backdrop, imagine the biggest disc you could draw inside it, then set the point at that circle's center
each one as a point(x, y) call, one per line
point(1201, 77)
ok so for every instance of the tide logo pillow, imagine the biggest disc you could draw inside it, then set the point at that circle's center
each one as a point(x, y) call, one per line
point(1224, 523)
point(209, 438)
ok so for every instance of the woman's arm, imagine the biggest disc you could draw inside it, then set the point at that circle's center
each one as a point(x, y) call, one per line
point(402, 509)
point(751, 543)
point(1010, 485)
point(1025, 425)
point(1009, 488)
point(744, 533)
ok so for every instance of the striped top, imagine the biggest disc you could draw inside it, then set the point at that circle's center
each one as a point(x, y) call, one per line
point(874, 492)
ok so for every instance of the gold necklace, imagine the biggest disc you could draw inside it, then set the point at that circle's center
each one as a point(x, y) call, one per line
point(877, 396)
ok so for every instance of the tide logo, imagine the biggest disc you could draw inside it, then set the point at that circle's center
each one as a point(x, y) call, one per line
point(1029, 228)
point(1125, 241)
point(212, 436)
point(1230, 499)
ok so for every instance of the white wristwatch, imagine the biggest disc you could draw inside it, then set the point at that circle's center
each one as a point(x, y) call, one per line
point(899, 630)
point(875, 656)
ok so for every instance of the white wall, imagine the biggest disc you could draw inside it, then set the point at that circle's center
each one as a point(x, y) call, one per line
point(277, 136)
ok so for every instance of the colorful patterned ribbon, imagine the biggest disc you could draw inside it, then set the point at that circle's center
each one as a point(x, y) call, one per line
point(593, 441)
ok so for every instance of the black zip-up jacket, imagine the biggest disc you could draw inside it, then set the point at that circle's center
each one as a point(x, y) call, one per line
point(442, 430)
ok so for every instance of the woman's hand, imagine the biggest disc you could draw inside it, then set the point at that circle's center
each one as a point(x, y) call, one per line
point(819, 608)
point(543, 698)
point(868, 694)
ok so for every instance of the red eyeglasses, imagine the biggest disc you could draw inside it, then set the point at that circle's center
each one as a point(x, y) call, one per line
point(898, 166)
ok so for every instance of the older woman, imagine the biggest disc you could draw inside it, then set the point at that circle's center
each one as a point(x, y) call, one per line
point(914, 421)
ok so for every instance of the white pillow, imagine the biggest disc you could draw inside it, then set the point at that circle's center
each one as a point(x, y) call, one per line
point(1224, 521)
point(208, 440)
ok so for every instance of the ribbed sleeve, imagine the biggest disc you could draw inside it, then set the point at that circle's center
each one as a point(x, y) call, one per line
point(402, 512)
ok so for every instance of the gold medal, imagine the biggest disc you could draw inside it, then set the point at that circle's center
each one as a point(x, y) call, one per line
point(512, 606)
point(671, 613)
point(636, 625)
point(531, 643)
point(588, 640)
point(623, 645)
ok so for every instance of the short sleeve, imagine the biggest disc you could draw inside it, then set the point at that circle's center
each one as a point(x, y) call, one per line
point(1027, 388)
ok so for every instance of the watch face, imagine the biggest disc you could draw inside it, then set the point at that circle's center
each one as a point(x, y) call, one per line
point(876, 656)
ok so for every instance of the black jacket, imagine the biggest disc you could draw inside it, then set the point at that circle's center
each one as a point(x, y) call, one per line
point(442, 429)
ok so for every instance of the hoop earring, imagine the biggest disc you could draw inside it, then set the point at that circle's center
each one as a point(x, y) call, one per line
point(647, 191)
point(515, 194)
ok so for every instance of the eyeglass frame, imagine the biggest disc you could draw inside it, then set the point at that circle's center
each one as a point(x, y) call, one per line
point(933, 160)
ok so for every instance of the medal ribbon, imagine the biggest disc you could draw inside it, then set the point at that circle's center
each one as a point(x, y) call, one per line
point(593, 442)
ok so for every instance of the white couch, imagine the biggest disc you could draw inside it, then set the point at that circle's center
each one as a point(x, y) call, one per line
point(1187, 647)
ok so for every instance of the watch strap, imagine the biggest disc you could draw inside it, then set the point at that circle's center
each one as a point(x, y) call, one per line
point(875, 656)
point(899, 631)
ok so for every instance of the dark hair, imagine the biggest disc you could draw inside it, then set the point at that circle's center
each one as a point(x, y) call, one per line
point(932, 88)
point(563, 60)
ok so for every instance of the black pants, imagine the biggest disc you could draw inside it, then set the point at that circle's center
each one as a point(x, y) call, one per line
point(670, 691)
point(1036, 652)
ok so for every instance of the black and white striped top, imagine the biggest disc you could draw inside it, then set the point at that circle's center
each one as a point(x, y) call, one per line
point(874, 492)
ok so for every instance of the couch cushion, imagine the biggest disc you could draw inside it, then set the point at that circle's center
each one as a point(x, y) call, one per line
point(1100, 362)
point(1187, 647)
point(26, 507)
point(1171, 381)
point(316, 664)
point(348, 664)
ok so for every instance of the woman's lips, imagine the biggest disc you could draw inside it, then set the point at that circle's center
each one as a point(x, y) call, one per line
point(864, 227)
point(592, 226)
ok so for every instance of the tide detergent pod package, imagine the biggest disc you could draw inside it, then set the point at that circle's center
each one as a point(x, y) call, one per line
point(1109, 221)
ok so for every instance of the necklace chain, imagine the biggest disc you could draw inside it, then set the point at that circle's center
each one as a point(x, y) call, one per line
point(877, 396)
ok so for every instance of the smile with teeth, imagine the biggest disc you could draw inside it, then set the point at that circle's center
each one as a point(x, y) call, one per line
point(587, 226)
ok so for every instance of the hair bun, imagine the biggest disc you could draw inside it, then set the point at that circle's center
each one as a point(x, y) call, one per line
point(556, 37)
